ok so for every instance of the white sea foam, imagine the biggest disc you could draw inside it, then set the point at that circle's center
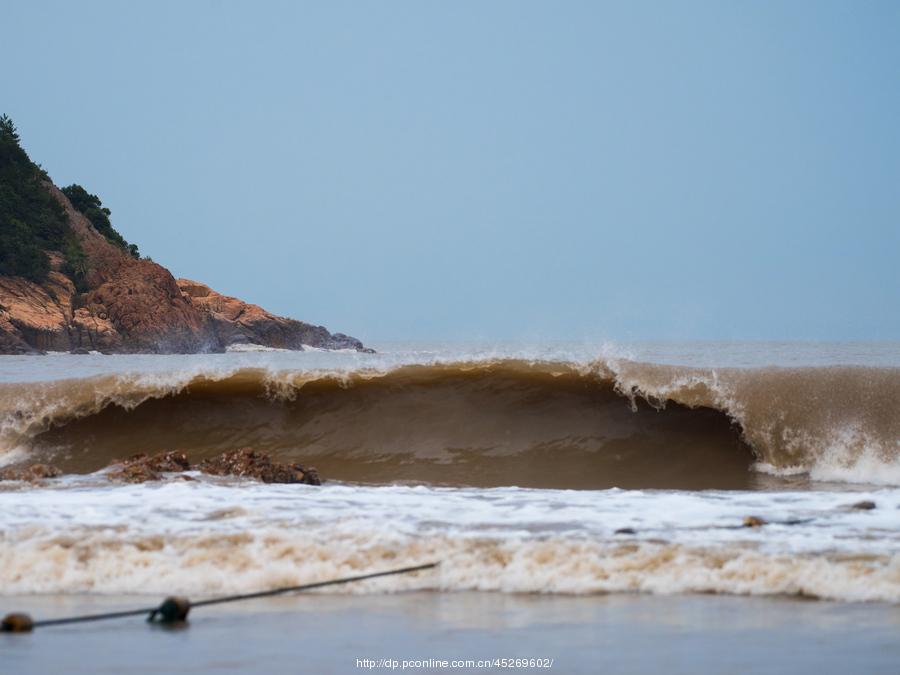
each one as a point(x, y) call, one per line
point(212, 536)
point(249, 347)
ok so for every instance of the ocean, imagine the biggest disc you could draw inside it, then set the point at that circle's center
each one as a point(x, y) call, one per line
point(570, 474)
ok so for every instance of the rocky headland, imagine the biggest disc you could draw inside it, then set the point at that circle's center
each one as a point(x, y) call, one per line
point(68, 285)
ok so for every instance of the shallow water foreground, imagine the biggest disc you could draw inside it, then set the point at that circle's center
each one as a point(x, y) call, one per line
point(592, 634)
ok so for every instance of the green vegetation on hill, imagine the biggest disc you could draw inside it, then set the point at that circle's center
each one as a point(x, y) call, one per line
point(92, 208)
point(32, 221)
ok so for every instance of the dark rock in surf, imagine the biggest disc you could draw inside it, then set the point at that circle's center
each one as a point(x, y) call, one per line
point(865, 505)
point(30, 474)
point(171, 461)
point(625, 530)
point(142, 468)
point(310, 476)
point(245, 462)
point(248, 462)
point(134, 473)
point(753, 521)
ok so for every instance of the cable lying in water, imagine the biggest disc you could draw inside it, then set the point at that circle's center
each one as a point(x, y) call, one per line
point(175, 609)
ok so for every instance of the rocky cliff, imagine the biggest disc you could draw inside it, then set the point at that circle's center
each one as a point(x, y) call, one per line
point(125, 304)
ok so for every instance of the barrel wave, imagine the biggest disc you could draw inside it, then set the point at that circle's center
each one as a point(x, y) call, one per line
point(492, 422)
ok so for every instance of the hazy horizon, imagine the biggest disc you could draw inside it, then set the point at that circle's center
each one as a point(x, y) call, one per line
point(573, 171)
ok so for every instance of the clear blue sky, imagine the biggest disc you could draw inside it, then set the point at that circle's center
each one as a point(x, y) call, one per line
point(465, 170)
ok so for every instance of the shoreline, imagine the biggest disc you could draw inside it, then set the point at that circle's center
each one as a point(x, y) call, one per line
point(588, 634)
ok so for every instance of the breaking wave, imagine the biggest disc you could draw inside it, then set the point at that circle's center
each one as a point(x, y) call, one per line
point(482, 423)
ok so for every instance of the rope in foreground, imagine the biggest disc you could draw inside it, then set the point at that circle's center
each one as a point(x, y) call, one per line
point(174, 609)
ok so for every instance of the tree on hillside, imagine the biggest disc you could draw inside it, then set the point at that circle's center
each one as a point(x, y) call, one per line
point(8, 129)
point(31, 220)
point(93, 209)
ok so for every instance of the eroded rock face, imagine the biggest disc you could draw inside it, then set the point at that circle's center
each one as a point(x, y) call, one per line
point(35, 318)
point(239, 322)
point(133, 305)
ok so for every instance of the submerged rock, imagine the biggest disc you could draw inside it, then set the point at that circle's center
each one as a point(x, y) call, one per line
point(753, 521)
point(865, 505)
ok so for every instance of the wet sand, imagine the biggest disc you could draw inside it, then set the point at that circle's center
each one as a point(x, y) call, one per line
point(594, 634)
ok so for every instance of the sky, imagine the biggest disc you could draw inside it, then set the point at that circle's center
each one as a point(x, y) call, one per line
point(489, 170)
